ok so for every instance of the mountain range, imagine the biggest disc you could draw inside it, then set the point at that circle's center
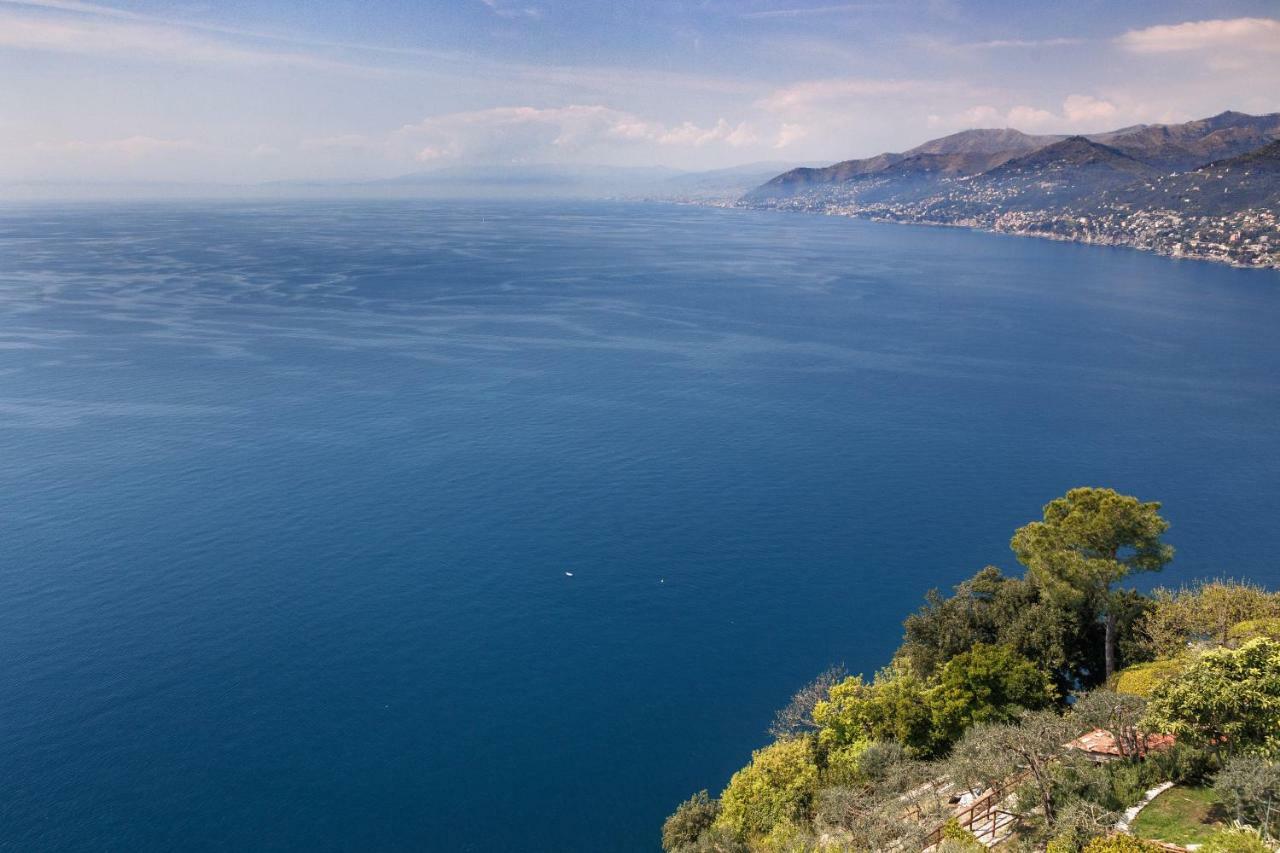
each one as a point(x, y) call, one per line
point(1150, 186)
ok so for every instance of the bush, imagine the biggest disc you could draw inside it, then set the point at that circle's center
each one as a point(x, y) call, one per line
point(959, 837)
point(1236, 839)
point(778, 785)
point(691, 818)
point(1252, 629)
point(716, 840)
point(1129, 782)
point(1229, 696)
point(843, 766)
point(1181, 763)
point(1142, 679)
point(1120, 844)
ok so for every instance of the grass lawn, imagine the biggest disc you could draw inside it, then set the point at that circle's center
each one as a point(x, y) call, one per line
point(1181, 816)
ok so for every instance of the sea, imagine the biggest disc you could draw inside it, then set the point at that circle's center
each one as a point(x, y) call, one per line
point(481, 526)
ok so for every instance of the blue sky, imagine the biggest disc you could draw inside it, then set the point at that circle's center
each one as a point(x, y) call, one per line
point(239, 91)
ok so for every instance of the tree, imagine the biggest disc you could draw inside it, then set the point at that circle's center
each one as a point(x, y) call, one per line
point(1090, 540)
point(991, 754)
point(1079, 822)
point(1117, 714)
point(1204, 612)
point(1251, 786)
point(1226, 697)
point(894, 707)
point(690, 820)
point(797, 717)
point(984, 685)
point(778, 786)
point(998, 610)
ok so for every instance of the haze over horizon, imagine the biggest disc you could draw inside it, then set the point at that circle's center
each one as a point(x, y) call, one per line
point(250, 92)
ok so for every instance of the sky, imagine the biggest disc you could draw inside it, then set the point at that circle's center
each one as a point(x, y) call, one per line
point(242, 91)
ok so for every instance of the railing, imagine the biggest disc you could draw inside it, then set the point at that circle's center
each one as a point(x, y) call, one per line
point(981, 808)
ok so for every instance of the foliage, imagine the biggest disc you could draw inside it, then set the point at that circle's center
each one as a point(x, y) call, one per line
point(1236, 839)
point(1118, 714)
point(786, 837)
point(985, 685)
point(880, 759)
point(717, 839)
point(842, 766)
point(778, 785)
point(1088, 541)
point(894, 707)
point(797, 717)
point(1181, 763)
point(1250, 787)
point(991, 753)
point(1079, 823)
point(1226, 697)
point(691, 818)
point(1251, 629)
point(994, 609)
point(1142, 679)
point(960, 837)
point(1203, 613)
point(1120, 844)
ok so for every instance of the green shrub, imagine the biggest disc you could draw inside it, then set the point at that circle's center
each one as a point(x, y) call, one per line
point(1251, 629)
point(1181, 763)
point(691, 818)
point(1143, 678)
point(960, 837)
point(843, 766)
point(778, 785)
point(1236, 839)
point(1120, 844)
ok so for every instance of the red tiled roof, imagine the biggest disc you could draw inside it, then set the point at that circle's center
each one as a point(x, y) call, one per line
point(1099, 742)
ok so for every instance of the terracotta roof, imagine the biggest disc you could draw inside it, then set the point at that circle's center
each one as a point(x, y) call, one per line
point(1099, 742)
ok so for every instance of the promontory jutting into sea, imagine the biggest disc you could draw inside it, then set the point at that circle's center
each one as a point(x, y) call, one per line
point(544, 425)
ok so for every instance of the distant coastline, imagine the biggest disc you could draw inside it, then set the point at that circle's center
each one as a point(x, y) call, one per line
point(1206, 189)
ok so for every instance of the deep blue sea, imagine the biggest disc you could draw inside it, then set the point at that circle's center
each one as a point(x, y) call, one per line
point(289, 494)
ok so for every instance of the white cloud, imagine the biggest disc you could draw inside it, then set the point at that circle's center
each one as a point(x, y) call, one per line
point(1085, 109)
point(811, 11)
point(811, 93)
point(1254, 34)
point(531, 134)
point(111, 38)
point(789, 134)
point(505, 11)
point(1024, 117)
point(997, 44)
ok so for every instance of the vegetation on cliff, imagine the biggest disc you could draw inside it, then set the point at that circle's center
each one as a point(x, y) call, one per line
point(992, 683)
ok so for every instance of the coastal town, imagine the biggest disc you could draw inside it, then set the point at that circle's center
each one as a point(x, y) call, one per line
point(1243, 238)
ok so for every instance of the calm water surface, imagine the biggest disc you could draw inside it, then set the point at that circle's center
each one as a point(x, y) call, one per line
point(288, 494)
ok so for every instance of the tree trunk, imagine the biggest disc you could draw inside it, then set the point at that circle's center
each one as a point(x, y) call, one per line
point(1110, 643)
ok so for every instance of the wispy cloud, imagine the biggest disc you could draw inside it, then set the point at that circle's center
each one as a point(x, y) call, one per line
point(1233, 33)
point(132, 146)
point(811, 93)
point(112, 38)
point(504, 10)
point(812, 11)
point(526, 133)
point(998, 44)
